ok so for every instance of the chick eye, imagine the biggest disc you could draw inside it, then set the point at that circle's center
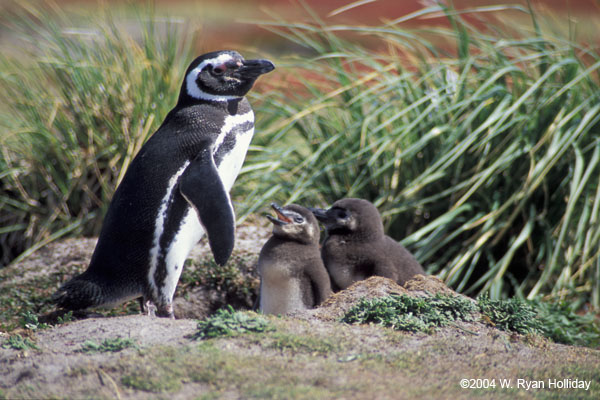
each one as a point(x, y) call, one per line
point(343, 214)
point(298, 220)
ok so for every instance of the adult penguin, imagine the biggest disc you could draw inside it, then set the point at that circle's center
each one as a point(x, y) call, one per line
point(175, 190)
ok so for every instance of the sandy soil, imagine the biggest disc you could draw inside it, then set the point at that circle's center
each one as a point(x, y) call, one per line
point(308, 355)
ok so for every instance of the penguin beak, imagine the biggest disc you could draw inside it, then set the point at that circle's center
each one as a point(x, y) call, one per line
point(319, 213)
point(281, 219)
point(255, 68)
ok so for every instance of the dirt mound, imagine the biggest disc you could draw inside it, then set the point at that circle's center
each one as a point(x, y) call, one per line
point(339, 303)
point(428, 285)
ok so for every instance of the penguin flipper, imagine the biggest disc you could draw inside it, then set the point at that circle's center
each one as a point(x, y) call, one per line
point(202, 187)
point(256, 305)
point(321, 282)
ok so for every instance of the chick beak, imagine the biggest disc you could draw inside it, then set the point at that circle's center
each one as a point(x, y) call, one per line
point(281, 218)
point(319, 213)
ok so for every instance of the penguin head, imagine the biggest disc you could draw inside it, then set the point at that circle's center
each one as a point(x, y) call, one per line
point(221, 76)
point(295, 222)
point(351, 216)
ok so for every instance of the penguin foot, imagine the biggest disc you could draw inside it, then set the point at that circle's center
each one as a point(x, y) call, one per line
point(165, 311)
point(150, 308)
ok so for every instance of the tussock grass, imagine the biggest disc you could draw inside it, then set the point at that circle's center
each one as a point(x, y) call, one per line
point(483, 156)
point(76, 108)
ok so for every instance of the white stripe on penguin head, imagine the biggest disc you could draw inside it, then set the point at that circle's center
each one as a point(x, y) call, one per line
point(192, 87)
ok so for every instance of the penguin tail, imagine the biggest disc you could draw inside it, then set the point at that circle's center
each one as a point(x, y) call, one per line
point(78, 294)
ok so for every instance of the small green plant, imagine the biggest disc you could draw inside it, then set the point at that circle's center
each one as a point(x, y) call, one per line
point(29, 320)
point(236, 281)
point(23, 300)
point(17, 342)
point(108, 345)
point(227, 322)
point(513, 315)
point(66, 317)
point(556, 321)
point(413, 314)
point(560, 323)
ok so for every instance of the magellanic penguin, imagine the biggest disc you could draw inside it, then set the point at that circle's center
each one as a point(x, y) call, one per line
point(292, 274)
point(356, 246)
point(175, 190)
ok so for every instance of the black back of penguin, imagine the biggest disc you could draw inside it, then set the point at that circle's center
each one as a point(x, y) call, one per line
point(356, 246)
point(293, 276)
point(176, 187)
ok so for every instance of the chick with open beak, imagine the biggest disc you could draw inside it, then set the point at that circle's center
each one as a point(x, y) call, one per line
point(292, 274)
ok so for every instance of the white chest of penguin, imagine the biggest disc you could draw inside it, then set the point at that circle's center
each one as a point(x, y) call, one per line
point(190, 230)
point(280, 291)
point(232, 161)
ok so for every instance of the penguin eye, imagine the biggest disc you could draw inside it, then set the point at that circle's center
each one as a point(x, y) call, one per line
point(343, 214)
point(298, 219)
point(219, 69)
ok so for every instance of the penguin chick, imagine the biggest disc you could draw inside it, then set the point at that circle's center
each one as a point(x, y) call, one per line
point(292, 274)
point(175, 190)
point(356, 246)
